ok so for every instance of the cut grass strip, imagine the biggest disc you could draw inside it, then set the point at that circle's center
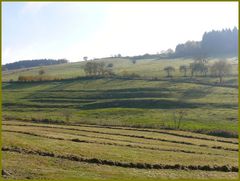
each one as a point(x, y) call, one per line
point(23, 166)
point(130, 135)
point(107, 143)
point(224, 168)
point(117, 139)
point(177, 133)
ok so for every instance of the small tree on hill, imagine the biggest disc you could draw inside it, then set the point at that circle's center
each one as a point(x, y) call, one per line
point(198, 67)
point(41, 72)
point(178, 117)
point(67, 114)
point(220, 69)
point(183, 68)
point(85, 58)
point(110, 65)
point(134, 61)
point(169, 70)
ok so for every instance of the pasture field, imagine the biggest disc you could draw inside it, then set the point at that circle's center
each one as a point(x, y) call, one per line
point(113, 101)
point(118, 127)
point(33, 150)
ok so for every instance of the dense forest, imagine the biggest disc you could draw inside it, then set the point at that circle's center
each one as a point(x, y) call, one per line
point(33, 63)
point(214, 43)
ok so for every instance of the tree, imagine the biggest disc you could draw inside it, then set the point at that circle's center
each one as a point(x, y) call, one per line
point(178, 117)
point(169, 70)
point(33, 63)
point(198, 66)
point(67, 114)
point(88, 68)
point(190, 48)
point(92, 68)
point(183, 68)
point(100, 68)
point(220, 69)
point(134, 61)
point(110, 65)
point(41, 72)
point(85, 58)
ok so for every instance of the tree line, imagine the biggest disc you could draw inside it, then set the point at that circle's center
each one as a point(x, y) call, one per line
point(33, 63)
point(200, 67)
point(213, 43)
point(93, 68)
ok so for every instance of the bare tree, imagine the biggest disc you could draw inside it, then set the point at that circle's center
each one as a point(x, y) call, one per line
point(183, 68)
point(134, 61)
point(41, 72)
point(100, 68)
point(220, 69)
point(198, 67)
point(92, 68)
point(169, 70)
point(67, 114)
point(178, 117)
point(85, 58)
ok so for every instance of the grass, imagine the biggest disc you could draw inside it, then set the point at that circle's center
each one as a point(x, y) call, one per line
point(113, 101)
point(145, 68)
point(140, 151)
point(51, 168)
point(118, 125)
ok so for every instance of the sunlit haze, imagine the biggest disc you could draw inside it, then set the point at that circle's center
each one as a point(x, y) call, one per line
point(73, 30)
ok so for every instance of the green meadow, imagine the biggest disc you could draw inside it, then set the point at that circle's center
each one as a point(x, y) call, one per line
point(120, 126)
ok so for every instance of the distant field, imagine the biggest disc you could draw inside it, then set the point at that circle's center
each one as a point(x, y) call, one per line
point(56, 151)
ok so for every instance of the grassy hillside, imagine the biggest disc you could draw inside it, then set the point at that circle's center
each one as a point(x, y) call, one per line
point(114, 101)
point(144, 68)
point(120, 127)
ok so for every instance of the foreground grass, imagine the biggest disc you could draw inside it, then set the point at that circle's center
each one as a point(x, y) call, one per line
point(36, 167)
point(118, 145)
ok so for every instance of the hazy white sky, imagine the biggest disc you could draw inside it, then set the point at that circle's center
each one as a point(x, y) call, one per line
point(75, 29)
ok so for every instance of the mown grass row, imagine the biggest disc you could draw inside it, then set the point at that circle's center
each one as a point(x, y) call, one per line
point(168, 132)
point(19, 166)
point(77, 135)
point(82, 135)
point(223, 168)
point(133, 136)
point(87, 149)
point(108, 143)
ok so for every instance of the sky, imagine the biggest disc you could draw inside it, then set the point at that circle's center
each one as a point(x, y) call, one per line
point(72, 30)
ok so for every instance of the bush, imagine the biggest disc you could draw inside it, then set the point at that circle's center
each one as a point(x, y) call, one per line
point(127, 74)
point(110, 65)
point(220, 133)
point(30, 78)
